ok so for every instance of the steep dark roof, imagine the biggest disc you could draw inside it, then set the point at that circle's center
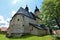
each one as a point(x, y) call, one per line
point(26, 13)
point(32, 15)
point(23, 11)
point(41, 26)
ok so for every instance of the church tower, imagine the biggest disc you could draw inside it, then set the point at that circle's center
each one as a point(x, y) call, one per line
point(36, 11)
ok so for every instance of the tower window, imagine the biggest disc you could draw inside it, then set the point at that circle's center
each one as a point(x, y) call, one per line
point(18, 19)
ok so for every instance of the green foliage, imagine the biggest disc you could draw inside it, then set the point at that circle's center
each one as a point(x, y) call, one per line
point(28, 37)
point(50, 13)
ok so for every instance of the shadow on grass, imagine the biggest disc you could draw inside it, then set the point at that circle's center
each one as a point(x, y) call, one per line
point(22, 37)
point(57, 38)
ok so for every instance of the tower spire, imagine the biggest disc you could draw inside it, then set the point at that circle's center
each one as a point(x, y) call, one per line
point(36, 9)
point(26, 8)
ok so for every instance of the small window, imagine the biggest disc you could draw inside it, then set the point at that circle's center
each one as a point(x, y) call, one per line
point(18, 19)
point(23, 25)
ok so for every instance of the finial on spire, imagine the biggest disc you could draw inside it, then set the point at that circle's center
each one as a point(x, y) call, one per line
point(36, 7)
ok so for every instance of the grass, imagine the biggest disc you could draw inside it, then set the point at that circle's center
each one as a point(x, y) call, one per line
point(28, 37)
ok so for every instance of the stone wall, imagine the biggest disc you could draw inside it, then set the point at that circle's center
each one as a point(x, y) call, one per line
point(26, 24)
point(16, 24)
point(36, 31)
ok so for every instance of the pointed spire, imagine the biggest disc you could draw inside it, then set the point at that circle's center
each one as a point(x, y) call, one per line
point(36, 9)
point(26, 8)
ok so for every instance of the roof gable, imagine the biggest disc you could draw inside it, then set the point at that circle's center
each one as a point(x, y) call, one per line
point(25, 13)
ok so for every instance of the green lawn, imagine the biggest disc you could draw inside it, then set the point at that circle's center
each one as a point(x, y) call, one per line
point(28, 37)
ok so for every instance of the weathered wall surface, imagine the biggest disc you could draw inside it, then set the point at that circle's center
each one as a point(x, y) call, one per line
point(16, 24)
point(20, 24)
point(36, 31)
point(26, 24)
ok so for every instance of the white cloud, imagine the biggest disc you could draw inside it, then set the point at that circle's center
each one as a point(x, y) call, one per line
point(27, 1)
point(1, 18)
point(3, 23)
point(29, 10)
point(8, 20)
point(15, 1)
point(13, 12)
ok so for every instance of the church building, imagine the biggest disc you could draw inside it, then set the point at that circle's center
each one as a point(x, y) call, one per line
point(25, 22)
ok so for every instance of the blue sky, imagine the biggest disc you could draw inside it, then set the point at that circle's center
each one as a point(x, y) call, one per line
point(9, 7)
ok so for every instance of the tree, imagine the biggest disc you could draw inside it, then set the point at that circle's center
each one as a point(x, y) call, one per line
point(50, 13)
